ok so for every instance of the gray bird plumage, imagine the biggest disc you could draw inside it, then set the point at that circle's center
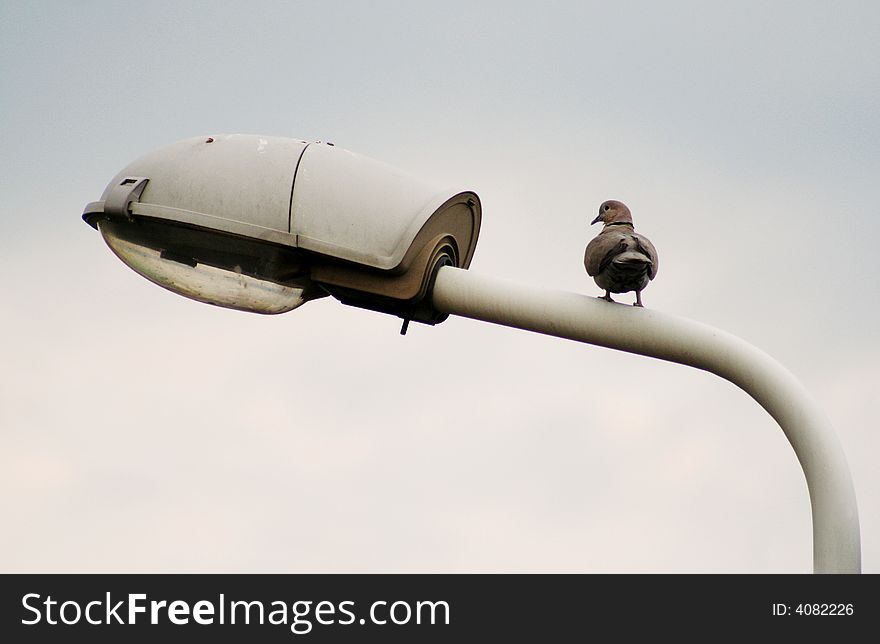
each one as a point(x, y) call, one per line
point(618, 258)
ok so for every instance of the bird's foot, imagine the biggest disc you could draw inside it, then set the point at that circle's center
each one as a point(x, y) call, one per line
point(639, 304)
point(638, 301)
point(606, 297)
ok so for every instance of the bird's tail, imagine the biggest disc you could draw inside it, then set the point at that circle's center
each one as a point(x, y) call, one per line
point(633, 257)
point(631, 262)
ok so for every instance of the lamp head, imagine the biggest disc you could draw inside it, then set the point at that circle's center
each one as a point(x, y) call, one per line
point(264, 224)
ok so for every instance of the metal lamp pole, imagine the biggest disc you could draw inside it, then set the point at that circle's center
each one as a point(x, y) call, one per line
point(836, 540)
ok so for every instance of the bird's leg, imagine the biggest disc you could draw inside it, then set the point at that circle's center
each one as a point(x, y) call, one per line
point(607, 296)
point(638, 299)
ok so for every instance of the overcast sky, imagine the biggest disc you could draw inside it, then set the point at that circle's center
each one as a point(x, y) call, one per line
point(141, 431)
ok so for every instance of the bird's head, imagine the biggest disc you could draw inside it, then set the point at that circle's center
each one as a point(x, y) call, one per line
point(613, 212)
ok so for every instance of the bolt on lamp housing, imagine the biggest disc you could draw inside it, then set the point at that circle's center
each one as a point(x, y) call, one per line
point(265, 224)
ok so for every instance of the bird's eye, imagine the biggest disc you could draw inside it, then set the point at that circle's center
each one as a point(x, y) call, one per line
point(606, 207)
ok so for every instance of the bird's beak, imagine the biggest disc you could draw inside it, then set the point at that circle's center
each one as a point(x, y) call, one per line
point(599, 218)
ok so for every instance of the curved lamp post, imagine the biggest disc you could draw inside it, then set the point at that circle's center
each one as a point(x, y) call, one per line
point(265, 224)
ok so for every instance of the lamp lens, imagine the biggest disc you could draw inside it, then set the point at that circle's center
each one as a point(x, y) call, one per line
point(210, 267)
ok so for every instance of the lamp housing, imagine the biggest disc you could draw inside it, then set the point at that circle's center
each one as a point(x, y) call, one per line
point(264, 224)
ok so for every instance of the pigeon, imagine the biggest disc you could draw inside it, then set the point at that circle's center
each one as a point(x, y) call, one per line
point(618, 258)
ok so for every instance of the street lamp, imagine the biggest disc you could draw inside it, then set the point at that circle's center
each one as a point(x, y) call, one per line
point(265, 224)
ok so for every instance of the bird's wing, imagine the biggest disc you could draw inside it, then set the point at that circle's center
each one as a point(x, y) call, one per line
point(648, 249)
point(603, 248)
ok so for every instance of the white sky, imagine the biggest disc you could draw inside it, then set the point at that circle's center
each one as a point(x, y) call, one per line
point(140, 431)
